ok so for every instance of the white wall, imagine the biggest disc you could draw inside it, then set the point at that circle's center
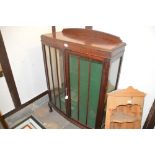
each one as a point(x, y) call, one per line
point(138, 68)
point(24, 51)
point(6, 103)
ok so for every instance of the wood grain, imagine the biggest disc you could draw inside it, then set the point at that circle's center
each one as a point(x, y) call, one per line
point(124, 109)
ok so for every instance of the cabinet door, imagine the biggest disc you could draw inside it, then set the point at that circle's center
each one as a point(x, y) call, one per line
point(56, 76)
point(85, 79)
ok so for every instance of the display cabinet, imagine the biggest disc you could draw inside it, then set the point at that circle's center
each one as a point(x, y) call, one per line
point(82, 66)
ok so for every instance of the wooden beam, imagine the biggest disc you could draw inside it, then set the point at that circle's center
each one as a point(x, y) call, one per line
point(1, 71)
point(103, 91)
point(24, 105)
point(8, 74)
point(150, 120)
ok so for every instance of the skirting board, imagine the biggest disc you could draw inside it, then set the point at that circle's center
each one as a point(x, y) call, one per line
point(23, 105)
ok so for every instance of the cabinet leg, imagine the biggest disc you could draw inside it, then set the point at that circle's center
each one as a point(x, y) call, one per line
point(50, 107)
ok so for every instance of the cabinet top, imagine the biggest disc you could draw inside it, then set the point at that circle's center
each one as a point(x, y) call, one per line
point(86, 38)
point(129, 92)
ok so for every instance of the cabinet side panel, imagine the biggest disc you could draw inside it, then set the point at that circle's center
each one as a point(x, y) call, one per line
point(113, 73)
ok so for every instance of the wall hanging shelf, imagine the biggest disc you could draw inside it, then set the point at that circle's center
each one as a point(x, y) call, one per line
point(82, 66)
point(124, 109)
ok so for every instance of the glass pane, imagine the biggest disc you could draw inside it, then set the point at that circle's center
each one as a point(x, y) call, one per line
point(74, 86)
point(82, 87)
point(113, 75)
point(113, 72)
point(79, 67)
point(84, 64)
point(49, 72)
point(95, 81)
point(55, 62)
point(55, 78)
point(60, 61)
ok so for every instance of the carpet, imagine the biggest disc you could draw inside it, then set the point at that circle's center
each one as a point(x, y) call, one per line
point(29, 123)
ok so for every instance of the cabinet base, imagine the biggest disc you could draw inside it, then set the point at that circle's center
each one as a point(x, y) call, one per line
point(69, 119)
point(50, 107)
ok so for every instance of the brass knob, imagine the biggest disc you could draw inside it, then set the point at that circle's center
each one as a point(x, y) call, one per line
point(65, 45)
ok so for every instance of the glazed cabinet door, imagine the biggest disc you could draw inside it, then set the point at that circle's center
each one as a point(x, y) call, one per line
point(54, 60)
point(84, 80)
point(74, 84)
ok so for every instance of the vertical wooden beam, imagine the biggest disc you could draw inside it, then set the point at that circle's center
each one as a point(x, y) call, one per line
point(47, 75)
point(51, 67)
point(1, 70)
point(103, 91)
point(3, 122)
point(57, 73)
point(78, 87)
point(8, 74)
point(150, 121)
point(67, 60)
point(65, 77)
point(46, 69)
point(89, 74)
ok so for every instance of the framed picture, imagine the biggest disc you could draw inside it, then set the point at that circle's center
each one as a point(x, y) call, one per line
point(29, 123)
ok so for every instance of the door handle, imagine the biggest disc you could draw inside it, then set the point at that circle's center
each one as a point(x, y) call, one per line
point(66, 94)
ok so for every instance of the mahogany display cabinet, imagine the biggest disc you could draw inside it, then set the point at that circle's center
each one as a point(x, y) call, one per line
point(82, 66)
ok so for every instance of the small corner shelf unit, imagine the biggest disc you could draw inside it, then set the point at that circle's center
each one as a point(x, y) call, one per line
point(124, 109)
point(81, 66)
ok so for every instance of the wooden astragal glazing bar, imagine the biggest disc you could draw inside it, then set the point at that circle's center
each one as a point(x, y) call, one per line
point(51, 66)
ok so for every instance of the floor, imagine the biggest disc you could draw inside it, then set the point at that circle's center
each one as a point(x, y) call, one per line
point(50, 120)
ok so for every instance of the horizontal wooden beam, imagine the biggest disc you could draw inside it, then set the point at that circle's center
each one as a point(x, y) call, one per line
point(24, 105)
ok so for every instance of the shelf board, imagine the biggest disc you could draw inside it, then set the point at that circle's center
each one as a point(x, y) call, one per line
point(121, 117)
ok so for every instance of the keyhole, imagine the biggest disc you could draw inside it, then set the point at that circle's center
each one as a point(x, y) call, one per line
point(129, 101)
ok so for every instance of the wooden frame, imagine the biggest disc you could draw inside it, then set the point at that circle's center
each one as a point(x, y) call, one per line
point(104, 56)
point(150, 120)
point(103, 90)
point(3, 122)
point(8, 74)
point(33, 118)
point(1, 71)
